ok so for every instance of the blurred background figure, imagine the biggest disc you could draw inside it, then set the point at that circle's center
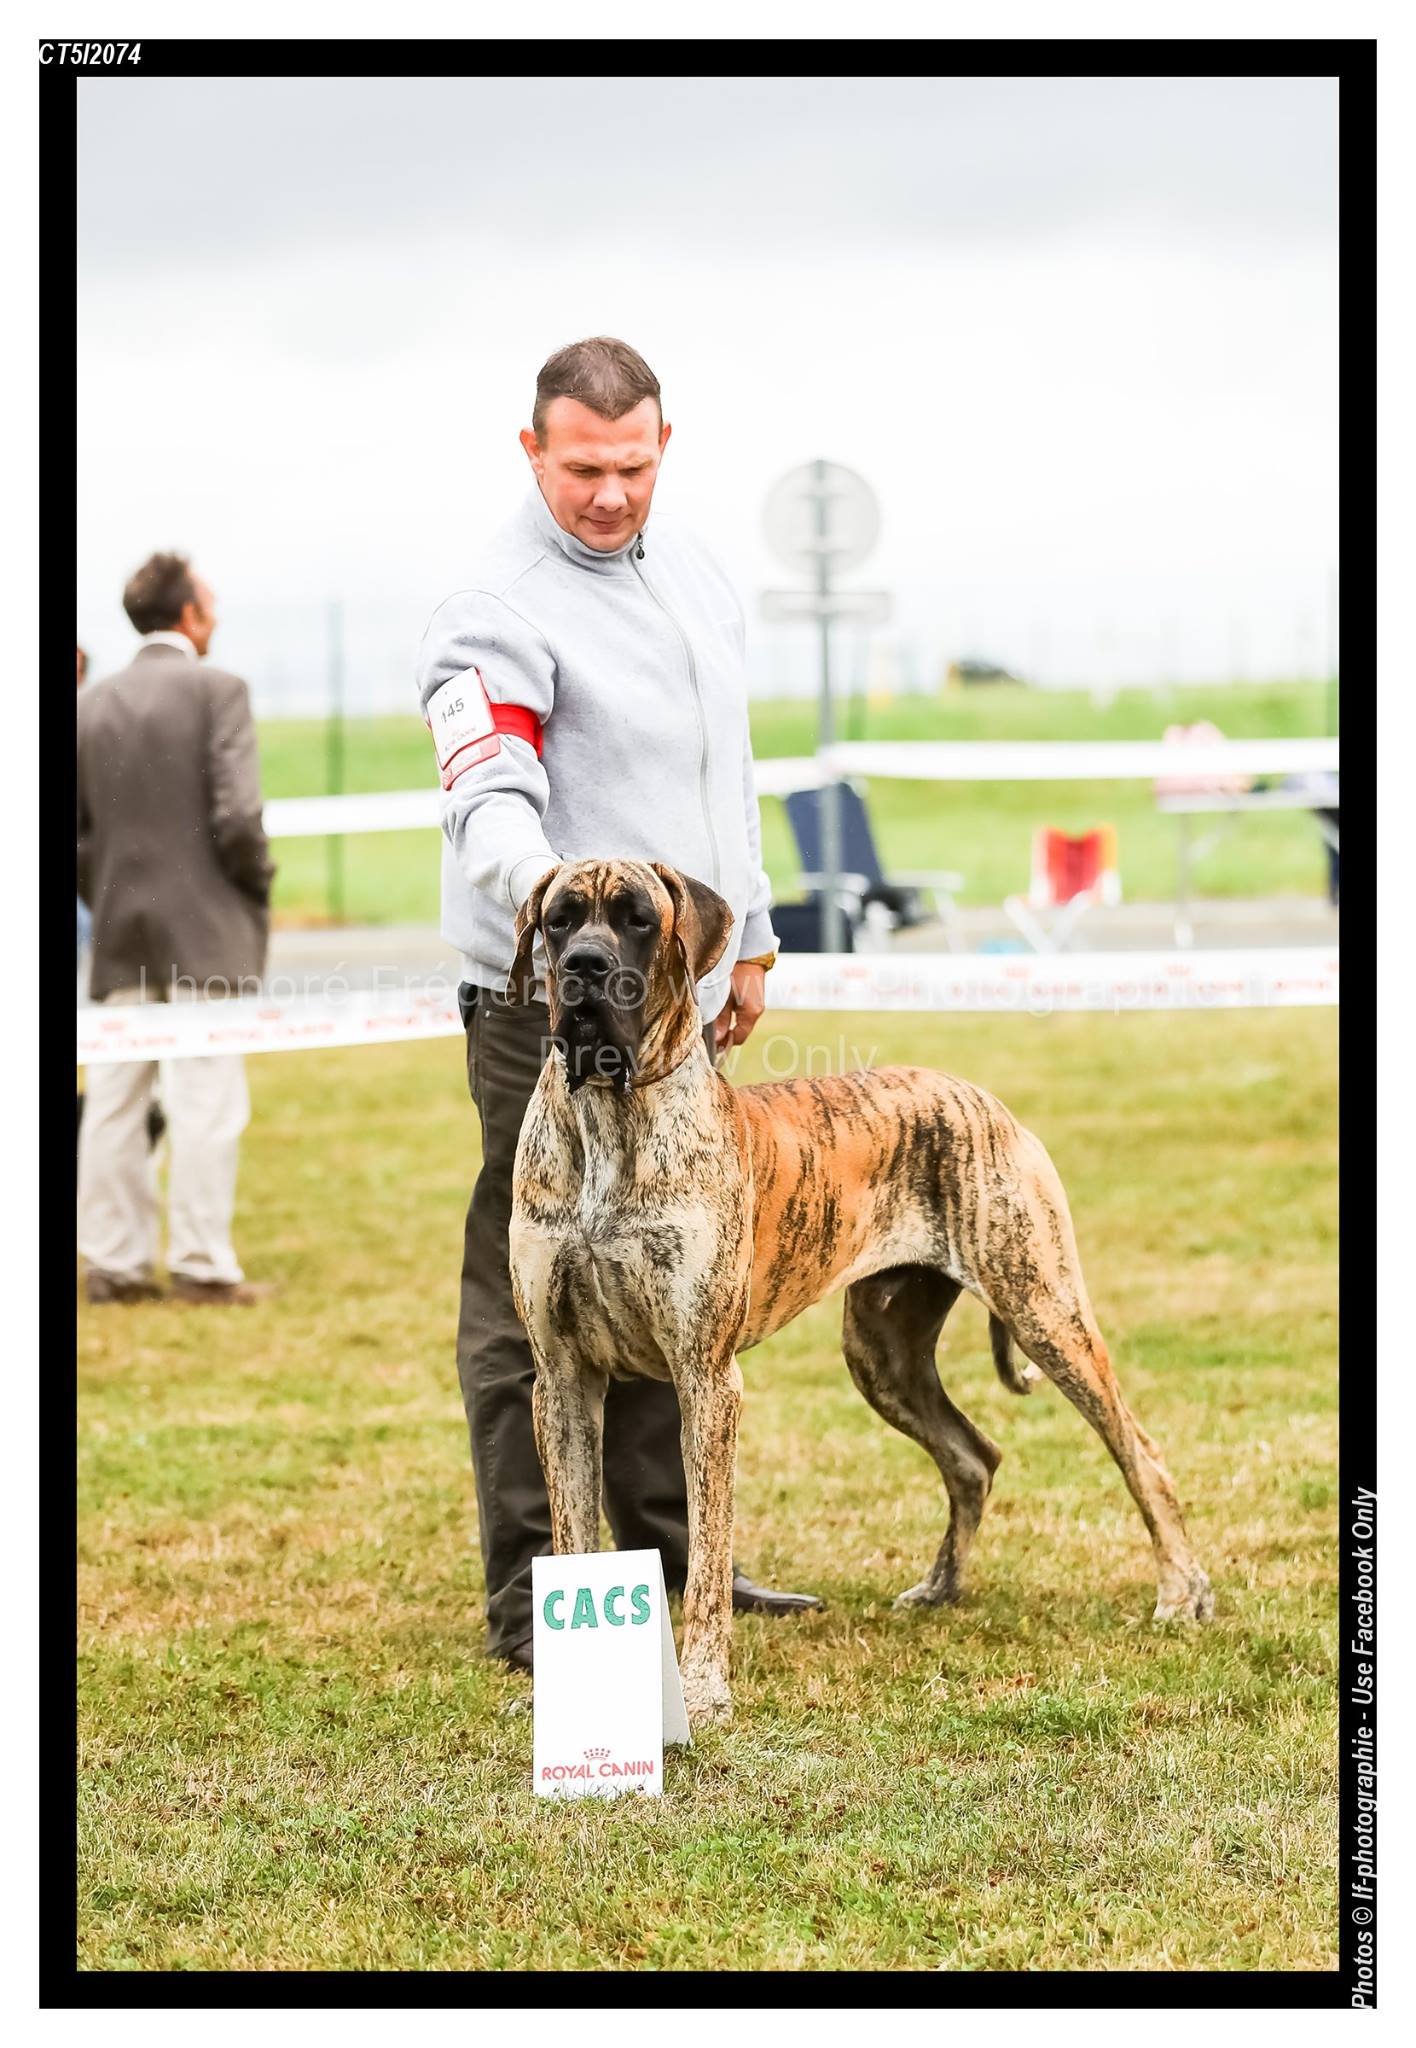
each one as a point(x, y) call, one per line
point(85, 921)
point(85, 927)
point(156, 1121)
point(174, 866)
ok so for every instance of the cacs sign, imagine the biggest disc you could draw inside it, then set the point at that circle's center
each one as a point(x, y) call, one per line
point(608, 1695)
point(585, 1614)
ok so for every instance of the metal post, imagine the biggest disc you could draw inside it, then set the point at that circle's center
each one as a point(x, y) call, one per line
point(1184, 929)
point(856, 688)
point(832, 926)
point(334, 760)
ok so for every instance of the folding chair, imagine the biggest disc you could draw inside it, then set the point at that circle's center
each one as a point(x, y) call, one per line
point(800, 928)
point(1069, 876)
point(869, 900)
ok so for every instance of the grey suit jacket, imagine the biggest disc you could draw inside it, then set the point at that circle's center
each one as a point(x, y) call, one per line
point(172, 857)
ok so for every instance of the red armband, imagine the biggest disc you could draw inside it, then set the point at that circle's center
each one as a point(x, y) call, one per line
point(466, 726)
point(520, 723)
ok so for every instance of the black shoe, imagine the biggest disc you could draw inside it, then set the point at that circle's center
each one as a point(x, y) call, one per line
point(99, 1289)
point(222, 1293)
point(750, 1599)
point(519, 1656)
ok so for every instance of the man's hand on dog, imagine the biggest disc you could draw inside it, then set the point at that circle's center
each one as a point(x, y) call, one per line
point(746, 1001)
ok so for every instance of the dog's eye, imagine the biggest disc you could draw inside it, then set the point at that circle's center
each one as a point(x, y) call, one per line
point(557, 923)
point(642, 924)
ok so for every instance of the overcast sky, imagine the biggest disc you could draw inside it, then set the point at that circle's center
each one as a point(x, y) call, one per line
point(1081, 337)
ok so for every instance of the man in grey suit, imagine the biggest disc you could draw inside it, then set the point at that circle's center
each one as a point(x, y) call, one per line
point(173, 863)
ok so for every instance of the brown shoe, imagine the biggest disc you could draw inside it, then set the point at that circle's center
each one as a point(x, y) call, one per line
point(221, 1293)
point(100, 1288)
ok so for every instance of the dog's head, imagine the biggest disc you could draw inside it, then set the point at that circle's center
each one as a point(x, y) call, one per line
point(626, 943)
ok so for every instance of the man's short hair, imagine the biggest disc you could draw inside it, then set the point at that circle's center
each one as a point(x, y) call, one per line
point(155, 594)
point(607, 376)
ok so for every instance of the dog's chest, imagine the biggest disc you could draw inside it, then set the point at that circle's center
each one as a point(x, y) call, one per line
point(611, 1227)
point(614, 1296)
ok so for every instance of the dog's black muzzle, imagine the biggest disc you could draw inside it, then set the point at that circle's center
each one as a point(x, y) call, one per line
point(599, 1017)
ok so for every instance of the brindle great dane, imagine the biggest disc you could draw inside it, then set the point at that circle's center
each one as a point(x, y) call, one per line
point(664, 1221)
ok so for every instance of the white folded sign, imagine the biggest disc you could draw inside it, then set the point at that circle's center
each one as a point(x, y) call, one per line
point(608, 1692)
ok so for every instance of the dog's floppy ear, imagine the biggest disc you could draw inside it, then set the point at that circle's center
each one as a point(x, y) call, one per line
point(522, 981)
point(702, 920)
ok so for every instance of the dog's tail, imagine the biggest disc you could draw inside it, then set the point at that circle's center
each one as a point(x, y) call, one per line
point(1017, 1380)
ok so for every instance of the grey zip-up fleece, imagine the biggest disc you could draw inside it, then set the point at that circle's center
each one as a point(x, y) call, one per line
point(636, 668)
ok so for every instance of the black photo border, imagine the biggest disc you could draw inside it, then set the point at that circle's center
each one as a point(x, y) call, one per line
point(1354, 64)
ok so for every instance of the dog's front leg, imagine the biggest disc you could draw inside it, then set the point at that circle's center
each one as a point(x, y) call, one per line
point(568, 1407)
point(710, 1396)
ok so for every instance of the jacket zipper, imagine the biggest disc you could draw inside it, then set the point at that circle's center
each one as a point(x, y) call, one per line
point(636, 555)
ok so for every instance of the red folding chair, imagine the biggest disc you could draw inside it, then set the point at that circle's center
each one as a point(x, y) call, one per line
point(1070, 874)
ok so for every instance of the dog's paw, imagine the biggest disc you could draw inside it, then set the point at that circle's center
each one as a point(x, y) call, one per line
point(927, 1594)
point(1192, 1600)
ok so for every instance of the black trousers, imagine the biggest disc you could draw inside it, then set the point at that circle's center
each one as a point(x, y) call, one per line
point(645, 1497)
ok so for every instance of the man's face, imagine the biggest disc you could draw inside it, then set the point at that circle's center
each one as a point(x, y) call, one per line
point(198, 620)
point(598, 475)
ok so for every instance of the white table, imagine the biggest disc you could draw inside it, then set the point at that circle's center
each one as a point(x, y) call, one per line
point(1213, 803)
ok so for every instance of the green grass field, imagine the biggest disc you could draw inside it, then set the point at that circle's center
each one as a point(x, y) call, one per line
point(983, 830)
point(293, 1755)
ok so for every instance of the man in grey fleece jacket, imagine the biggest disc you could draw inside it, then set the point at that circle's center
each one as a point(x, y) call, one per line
point(586, 695)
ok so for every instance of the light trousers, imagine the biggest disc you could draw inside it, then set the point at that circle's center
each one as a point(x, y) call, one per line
point(207, 1107)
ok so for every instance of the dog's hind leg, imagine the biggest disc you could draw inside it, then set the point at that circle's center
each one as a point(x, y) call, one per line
point(889, 1330)
point(568, 1408)
point(1071, 1352)
point(1035, 1286)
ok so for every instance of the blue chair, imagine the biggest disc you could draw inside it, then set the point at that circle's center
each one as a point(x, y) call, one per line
point(800, 927)
point(866, 895)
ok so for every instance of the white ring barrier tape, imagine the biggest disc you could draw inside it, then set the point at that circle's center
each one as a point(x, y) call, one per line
point(388, 810)
point(784, 774)
point(1247, 978)
point(408, 810)
point(110, 1035)
point(1079, 760)
point(1026, 984)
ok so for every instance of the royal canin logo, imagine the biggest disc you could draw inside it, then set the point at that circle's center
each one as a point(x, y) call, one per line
point(598, 1764)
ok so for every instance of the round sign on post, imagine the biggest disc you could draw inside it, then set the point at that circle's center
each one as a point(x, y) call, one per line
point(821, 515)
